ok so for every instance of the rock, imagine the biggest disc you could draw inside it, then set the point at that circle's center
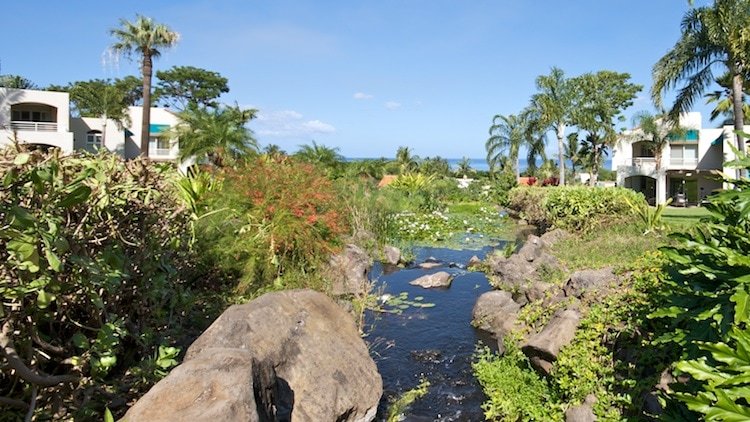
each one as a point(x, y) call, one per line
point(546, 345)
point(538, 290)
point(553, 236)
point(292, 355)
point(428, 265)
point(588, 280)
point(348, 272)
point(456, 265)
point(531, 249)
point(651, 403)
point(583, 412)
point(495, 312)
point(474, 261)
point(392, 255)
point(439, 279)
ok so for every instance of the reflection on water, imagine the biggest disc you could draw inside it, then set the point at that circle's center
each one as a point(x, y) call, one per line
point(434, 343)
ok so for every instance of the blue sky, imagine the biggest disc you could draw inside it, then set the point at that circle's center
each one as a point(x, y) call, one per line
point(363, 76)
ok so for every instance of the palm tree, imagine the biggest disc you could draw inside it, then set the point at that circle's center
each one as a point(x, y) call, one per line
point(143, 37)
point(464, 167)
point(507, 135)
point(405, 160)
point(216, 134)
point(715, 35)
point(534, 137)
point(320, 155)
point(656, 131)
point(723, 100)
point(274, 151)
point(573, 153)
point(554, 106)
point(98, 98)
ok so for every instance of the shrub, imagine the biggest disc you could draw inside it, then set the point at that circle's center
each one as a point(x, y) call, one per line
point(94, 262)
point(281, 217)
point(575, 208)
point(514, 390)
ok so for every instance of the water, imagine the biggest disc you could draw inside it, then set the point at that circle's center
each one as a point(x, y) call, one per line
point(435, 343)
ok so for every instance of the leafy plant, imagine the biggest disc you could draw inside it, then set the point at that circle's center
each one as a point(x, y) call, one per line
point(649, 217)
point(395, 412)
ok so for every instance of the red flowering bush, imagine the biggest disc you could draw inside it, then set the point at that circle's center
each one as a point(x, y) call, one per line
point(280, 216)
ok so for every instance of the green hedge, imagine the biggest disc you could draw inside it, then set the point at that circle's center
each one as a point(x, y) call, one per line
point(575, 208)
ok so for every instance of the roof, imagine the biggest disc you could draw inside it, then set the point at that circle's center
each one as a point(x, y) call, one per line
point(387, 180)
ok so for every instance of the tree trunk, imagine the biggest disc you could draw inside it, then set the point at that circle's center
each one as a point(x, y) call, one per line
point(739, 118)
point(560, 151)
point(146, 116)
point(518, 169)
point(595, 168)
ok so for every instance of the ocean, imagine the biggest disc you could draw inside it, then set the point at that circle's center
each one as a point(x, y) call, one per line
point(480, 164)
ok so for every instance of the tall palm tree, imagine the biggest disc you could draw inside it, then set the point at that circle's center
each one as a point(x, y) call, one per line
point(143, 38)
point(274, 151)
point(464, 167)
point(217, 134)
point(534, 137)
point(723, 100)
point(507, 135)
point(711, 36)
point(321, 155)
point(405, 160)
point(554, 106)
point(573, 153)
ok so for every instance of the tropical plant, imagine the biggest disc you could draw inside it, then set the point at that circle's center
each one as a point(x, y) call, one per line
point(182, 86)
point(274, 151)
point(216, 134)
point(438, 166)
point(573, 153)
point(649, 217)
point(407, 162)
point(412, 183)
point(507, 135)
point(16, 81)
point(143, 38)
point(711, 35)
point(656, 132)
point(464, 167)
point(602, 98)
point(554, 106)
point(321, 155)
point(722, 99)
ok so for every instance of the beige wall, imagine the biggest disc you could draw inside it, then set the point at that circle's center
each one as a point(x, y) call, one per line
point(159, 116)
point(113, 136)
point(60, 136)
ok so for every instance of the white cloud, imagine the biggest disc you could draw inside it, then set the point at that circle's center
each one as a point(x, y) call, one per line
point(392, 105)
point(289, 124)
point(362, 96)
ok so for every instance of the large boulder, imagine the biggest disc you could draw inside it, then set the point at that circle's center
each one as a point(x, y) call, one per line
point(522, 270)
point(348, 271)
point(291, 355)
point(543, 348)
point(438, 279)
point(553, 236)
point(496, 313)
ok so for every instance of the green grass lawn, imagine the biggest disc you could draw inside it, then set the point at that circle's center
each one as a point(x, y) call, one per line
point(680, 219)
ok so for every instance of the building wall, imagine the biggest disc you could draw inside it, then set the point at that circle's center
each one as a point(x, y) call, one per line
point(61, 137)
point(159, 116)
point(113, 135)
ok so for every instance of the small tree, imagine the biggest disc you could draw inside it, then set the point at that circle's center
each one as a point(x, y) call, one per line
point(182, 86)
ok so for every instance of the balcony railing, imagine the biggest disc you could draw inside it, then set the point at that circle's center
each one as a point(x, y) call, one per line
point(34, 126)
point(640, 161)
point(683, 162)
point(159, 152)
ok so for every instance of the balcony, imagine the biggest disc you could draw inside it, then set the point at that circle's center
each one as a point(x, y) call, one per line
point(683, 163)
point(643, 161)
point(33, 126)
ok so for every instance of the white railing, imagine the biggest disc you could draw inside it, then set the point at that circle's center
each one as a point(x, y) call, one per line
point(34, 126)
point(159, 152)
point(683, 162)
point(639, 161)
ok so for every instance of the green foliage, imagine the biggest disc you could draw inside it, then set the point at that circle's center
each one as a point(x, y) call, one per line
point(578, 208)
point(396, 410)
point(322, 156)
point(708, 304)
point(650, 218)
point(100, 98)
point(95, 264)
point(514, 390)
point(183, 86)
point(480, 226)
point(286, 217)
point(16, 82)
point(216, 134)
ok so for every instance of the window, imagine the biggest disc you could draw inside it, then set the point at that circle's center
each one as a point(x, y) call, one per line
point(94, 139)
point(159, 145)
point(684, 154)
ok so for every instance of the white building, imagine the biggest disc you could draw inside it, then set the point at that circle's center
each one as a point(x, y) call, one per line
point(691, 166)
point(43, 118)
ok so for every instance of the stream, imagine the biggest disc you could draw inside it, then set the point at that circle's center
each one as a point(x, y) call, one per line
point(435, 343)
